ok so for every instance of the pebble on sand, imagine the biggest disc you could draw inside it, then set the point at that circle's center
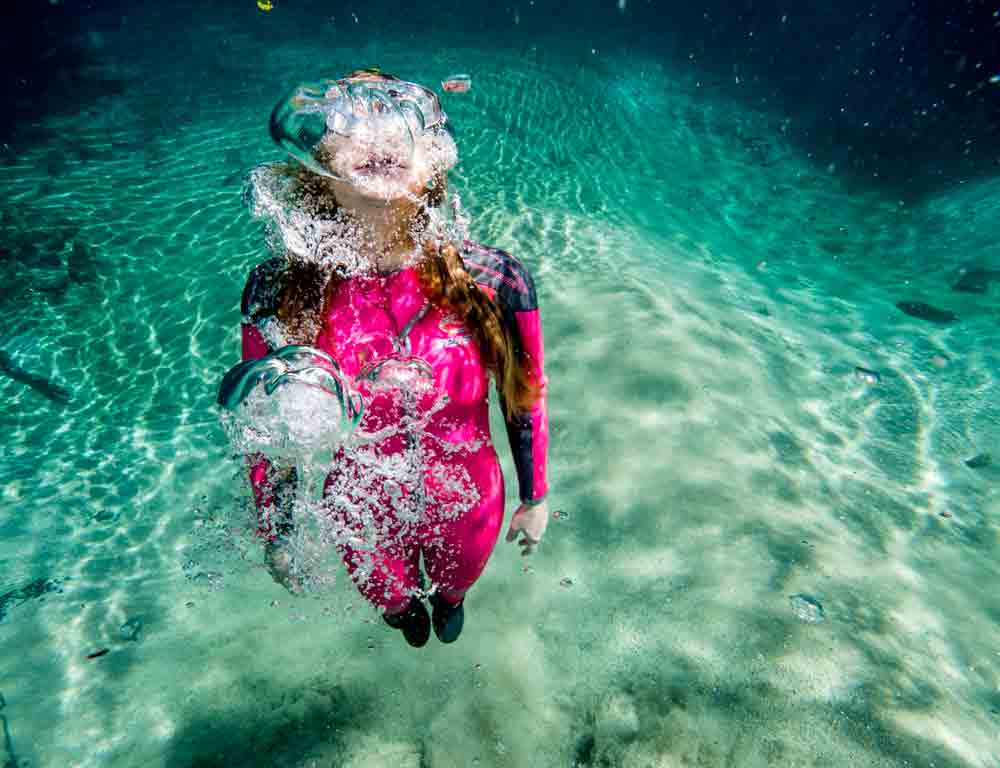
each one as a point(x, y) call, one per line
point(923, 311)
point(131, 630)
point(807, 608)
point(979, 461)
point(976, 280)
point(867, 375)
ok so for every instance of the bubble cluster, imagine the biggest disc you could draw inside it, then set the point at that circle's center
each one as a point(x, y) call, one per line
point(301, 219)
point(304, 221)
point(337, 481)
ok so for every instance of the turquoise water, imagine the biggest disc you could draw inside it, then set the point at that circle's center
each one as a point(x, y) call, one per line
point(720, 467)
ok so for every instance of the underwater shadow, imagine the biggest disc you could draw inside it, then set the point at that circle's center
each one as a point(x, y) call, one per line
point(677, 709)
point(695, 718)
point(272, 725)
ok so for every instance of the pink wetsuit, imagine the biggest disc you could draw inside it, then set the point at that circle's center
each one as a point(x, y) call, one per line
point(451, 509)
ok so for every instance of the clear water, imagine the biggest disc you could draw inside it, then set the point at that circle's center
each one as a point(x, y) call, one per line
point(762, 557)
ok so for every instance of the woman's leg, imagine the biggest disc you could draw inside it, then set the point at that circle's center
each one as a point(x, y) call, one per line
point(456, 549)
point(386, 568)
point(386, 576)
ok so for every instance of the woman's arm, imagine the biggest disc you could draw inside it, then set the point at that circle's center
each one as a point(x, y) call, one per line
point(508, 282)
point(529, 438)
point(262, 474)
point(528, 431)
point(268, 483)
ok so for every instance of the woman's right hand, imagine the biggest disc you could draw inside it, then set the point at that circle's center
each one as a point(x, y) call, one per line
point(278, 561)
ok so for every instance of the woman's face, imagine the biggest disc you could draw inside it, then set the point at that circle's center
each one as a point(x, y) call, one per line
point(377, 166)
point(385, 158)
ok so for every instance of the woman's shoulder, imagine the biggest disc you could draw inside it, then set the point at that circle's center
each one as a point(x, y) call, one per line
point(504, 275)
point(260, 294)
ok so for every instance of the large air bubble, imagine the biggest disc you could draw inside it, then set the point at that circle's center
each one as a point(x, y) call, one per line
point(322, 124)
point(294, 405)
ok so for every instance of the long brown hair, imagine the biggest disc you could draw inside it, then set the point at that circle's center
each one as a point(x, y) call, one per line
point(446, 283)
point(449, 285)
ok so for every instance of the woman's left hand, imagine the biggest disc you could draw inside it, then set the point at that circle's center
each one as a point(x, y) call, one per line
point(530, 521)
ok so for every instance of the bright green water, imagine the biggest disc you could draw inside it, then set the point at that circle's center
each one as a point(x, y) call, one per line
point(706, 294)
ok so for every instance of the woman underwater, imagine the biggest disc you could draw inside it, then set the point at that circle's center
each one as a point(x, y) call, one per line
point(370, 271)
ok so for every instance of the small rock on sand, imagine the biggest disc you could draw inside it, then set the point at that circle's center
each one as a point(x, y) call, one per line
point(924, 311)
point(976, 280)
point(979, 461)
point(867, 375)
point(807, 608)
point(131, 630)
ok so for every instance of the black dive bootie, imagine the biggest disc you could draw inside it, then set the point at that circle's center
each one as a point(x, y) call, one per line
point(447, 618)
point(414, 622)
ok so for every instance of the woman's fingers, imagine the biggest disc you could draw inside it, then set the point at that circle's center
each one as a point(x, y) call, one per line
point(530, 524)
point(528, 545)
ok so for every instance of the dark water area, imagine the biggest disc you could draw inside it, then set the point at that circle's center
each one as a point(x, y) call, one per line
point(896, 95)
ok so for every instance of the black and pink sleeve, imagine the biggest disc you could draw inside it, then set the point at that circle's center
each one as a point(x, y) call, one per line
point(510, 284)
